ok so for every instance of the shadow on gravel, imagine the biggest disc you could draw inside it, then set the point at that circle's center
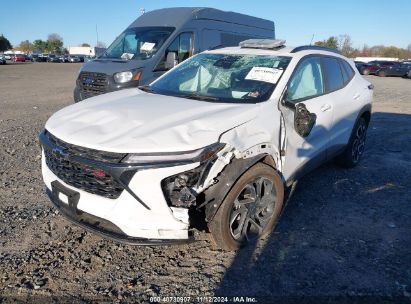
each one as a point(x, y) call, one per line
point(345, 236)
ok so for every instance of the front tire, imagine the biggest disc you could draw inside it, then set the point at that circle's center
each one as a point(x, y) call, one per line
point(355, 148)
point(250, 210)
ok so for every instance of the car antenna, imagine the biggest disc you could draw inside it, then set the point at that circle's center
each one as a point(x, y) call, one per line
point(312, 38)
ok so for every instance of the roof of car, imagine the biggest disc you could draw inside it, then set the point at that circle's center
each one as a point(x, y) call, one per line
point(284, 51)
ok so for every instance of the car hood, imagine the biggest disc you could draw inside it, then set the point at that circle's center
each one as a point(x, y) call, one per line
point(111, 66)
point(131, 121)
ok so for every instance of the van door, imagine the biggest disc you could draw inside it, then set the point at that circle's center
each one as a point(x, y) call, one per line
point(307, 118)
point(182, 45)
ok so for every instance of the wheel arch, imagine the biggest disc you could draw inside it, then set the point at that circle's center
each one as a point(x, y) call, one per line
point(215, 195)
point(365, 113)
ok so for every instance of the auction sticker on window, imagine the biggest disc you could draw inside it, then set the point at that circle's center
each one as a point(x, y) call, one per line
point(147, 46)
point(264, 74)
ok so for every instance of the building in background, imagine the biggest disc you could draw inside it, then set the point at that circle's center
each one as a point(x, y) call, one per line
point(86, 50)
point(81, 50)
point(368, 59)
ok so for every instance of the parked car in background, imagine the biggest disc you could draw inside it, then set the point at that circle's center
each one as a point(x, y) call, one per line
point(2, 59)
point(19, 58)
point(359, 65)
point(53, 58)
point(42, 58)
point(399, 69)
point(372, 67)
point(223, 132)
point(8, 56)
point(63, 58)
point(89, 58)
point(409, 74)
point(73, 59)
point(28, 58)
point(34, 57)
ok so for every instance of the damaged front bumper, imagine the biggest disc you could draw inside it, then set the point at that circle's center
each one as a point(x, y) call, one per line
point(121, 201)
point(97, 225)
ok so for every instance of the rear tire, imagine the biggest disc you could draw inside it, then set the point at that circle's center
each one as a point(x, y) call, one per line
point(250, 210)
point(355, 148)
point(382, 74)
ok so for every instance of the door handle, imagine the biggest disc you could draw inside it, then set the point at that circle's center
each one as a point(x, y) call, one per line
point(356, 96)
point(325, 107)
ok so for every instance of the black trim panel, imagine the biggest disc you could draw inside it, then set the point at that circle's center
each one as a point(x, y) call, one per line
point(315, 48)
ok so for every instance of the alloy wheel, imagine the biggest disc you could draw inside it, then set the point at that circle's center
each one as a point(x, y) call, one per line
point(252, 209)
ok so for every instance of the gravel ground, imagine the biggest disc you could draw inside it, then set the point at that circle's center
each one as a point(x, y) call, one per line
point(344, 237)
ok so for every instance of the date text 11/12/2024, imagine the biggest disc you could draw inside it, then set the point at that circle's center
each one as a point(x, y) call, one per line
point(203, 299)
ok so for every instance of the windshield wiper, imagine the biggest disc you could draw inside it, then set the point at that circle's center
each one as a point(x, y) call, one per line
point(146, 88)
point(195, 95)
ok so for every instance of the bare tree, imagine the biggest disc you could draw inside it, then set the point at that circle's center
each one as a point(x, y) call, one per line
point(25, 46)
point(345, 45)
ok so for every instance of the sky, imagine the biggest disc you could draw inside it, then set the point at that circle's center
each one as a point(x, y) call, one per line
point(371, 22)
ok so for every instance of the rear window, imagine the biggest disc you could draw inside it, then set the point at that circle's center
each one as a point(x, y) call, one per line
point(334, 78)
point(347, 71)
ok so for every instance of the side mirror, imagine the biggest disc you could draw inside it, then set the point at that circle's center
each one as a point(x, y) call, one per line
point(171, 60)
point(303, 120)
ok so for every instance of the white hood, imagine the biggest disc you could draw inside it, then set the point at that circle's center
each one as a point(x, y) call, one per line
point(132, 121)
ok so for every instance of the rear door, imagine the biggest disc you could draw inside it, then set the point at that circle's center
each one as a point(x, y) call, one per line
point(305, 89)
point(347, 96)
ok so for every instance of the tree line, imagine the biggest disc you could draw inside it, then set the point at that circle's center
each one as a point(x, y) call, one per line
point(53, 44)
point(343, 43)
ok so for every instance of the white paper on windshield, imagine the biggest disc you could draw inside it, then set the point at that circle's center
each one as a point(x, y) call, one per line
point(147, 46)
point(127, 56)
point(264, 74)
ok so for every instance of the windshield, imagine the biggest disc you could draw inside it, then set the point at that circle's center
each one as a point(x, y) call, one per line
point(138, 43)
point(224, 78)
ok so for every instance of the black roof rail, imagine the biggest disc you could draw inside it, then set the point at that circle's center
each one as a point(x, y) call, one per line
point(314, 47)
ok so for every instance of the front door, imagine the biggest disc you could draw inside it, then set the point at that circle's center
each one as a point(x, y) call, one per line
point(305, 93)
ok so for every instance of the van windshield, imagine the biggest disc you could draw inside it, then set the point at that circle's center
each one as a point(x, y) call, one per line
point(223, 78)
point(138, 43)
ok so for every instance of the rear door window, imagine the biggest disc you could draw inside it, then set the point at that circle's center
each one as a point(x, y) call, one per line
point(334, 77)
point(347, 70)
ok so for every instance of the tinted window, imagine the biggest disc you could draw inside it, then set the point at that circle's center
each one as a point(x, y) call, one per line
point(344, 72)
point(185, 49)
point(307, 80)
point(332, 70)
point(182, 45)
point(347, 71)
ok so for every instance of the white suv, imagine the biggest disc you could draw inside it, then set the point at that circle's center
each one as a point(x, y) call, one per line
point(215, 140)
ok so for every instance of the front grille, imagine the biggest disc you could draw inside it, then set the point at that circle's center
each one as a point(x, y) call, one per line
point(80, 175)
point(96, 155)
point(92, 84)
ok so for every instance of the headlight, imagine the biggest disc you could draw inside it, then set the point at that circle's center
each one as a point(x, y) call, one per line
point(123, 77)
point(199, 155)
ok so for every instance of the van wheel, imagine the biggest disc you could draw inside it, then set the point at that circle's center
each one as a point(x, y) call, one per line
point(382, 74)
point(250, 210)
point(355, 148)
